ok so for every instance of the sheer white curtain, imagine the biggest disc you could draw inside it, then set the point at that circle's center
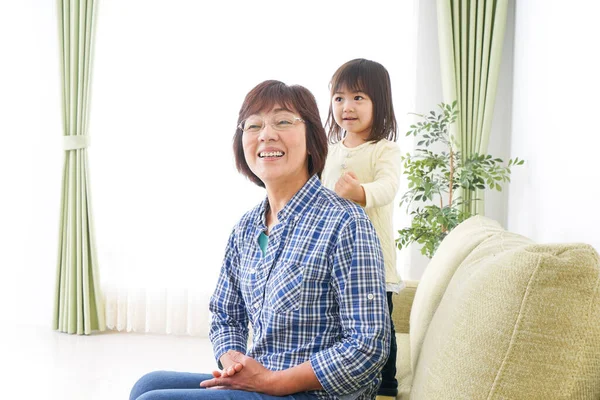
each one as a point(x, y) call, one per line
point(169, 80)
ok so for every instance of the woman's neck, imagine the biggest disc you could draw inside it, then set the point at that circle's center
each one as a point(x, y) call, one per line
point(278, 196)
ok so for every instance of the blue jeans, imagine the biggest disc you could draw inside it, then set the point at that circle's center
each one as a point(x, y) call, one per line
point(167, 385)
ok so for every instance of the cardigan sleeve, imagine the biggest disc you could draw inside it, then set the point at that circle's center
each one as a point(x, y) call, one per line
point(384, 187)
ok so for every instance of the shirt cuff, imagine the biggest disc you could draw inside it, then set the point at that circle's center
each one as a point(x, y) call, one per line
point(332, 375)
point(219, 350)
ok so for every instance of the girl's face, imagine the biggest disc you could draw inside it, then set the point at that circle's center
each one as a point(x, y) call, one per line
point(353, 112)
point(277, 156)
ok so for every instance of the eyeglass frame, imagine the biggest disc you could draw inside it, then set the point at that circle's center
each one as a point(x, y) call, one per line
point(274, 126)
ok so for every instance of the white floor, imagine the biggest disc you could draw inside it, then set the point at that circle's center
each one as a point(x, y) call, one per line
point(39, 363)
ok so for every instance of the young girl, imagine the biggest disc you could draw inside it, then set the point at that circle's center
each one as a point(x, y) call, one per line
point(363, 165)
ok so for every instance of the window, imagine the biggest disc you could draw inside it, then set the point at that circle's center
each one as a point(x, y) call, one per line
point(165, 190)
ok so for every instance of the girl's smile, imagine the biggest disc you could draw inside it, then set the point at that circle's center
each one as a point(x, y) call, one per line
point(353, 111)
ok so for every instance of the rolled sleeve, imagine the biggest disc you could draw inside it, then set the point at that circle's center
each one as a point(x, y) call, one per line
point(358, 279)
point(229, 321)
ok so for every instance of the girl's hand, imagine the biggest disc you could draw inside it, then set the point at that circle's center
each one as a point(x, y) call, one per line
point(349, 188)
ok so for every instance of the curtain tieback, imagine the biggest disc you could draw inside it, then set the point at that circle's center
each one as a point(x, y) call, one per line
point(75, 142)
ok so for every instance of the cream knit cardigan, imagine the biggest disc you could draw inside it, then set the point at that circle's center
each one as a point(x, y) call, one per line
point(377, 166)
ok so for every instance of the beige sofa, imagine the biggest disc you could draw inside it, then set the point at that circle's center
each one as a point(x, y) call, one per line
point(496, 316)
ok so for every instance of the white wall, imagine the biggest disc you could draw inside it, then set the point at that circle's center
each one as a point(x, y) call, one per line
point(556, 101)
point(30, 160)
point(428, 92)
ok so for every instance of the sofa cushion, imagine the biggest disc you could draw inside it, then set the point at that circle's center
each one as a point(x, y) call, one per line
point(452, 252)
point(517, 321)
point(403, 371)
point(400, 317)
point(403, 302)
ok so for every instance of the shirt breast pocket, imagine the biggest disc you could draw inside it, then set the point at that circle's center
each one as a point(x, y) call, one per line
point(285, 288)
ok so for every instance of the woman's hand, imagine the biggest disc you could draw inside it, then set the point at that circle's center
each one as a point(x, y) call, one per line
point(244, 373)
point(349, 188)
point(230, 366)
point(237, 367)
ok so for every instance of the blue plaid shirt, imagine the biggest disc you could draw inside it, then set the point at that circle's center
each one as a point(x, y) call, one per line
point(318, 293)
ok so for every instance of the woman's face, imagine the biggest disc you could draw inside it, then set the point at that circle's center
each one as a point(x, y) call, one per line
point(277, 152)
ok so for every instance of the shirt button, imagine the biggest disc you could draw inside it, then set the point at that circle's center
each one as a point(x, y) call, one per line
point(344, 166)
point(296, 218)
point(370, 296)
point(256, 305)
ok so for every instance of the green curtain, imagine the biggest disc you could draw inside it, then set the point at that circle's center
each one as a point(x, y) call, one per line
point(78, 306)
point(471, 35)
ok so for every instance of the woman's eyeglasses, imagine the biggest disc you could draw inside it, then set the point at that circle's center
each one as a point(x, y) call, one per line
point(279, 122)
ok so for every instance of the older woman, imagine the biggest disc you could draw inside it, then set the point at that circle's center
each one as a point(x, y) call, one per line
point(304, 269)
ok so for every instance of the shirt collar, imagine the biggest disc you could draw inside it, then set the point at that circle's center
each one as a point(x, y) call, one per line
point(297, 204)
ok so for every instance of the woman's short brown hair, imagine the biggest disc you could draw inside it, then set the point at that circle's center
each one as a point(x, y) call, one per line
point(297, 98)
point(372, 78)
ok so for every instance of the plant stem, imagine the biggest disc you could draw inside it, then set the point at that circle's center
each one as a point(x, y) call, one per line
point(451, 175)
point(451, 180)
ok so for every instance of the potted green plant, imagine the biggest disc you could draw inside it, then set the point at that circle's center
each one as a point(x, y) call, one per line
point(437, 175)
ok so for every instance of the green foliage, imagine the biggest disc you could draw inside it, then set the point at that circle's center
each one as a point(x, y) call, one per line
point(435, 177)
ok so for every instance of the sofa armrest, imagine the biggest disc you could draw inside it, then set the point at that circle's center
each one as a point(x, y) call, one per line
point(402, 305)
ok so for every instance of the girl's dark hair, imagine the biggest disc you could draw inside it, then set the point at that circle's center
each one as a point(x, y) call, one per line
point(372, 78)
point(295, 98)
